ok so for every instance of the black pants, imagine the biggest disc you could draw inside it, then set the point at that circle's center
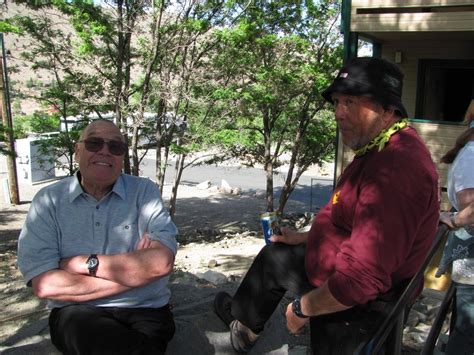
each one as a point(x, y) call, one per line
point(84, 329)
point(276, 269)
point(279, 268)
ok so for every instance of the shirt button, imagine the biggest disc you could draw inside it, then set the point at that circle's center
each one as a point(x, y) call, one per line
point(127, 227)
point(97, 224)
point(96, 207)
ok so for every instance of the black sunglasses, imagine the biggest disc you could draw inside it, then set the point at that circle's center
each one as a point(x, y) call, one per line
point(94, 144)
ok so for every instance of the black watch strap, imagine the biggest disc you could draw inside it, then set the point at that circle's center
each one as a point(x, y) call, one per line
point(296, 307)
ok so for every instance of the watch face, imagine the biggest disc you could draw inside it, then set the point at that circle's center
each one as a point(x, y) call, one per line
point(92, 263)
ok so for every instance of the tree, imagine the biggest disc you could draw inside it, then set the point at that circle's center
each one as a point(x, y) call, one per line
point(3, 138)
point(131, 57)
point(269, 71)
point(244, 75)
point(87, 51)
point(38, 122)
point(175, 52)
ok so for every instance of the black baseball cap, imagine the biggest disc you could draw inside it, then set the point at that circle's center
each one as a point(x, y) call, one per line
point(368, 76)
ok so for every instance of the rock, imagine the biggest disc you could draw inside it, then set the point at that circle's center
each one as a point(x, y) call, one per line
point(233, 278)
point(299, 350)
point(184, 279)
point(213, 189)
point(417, 338)
point(225, 187)
point(212, 263)
point(213, 277)
point(433, 311)
point(237, 191)
point(207, 232)
point(423, 328)
point(204, 185)
point(259, 194)
point(413, 319)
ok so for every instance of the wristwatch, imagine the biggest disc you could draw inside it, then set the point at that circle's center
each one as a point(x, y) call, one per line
point(296, 307)
point(92, 264)
point(453, 220)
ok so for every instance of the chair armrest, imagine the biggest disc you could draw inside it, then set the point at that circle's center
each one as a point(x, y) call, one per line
point(373, 345)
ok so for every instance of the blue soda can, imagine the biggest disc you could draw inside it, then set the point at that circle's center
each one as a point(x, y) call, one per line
point(270, 225)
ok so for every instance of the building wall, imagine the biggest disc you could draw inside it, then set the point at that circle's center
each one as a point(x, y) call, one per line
point(439, 138)
point(412, 51)
point(415, 15)
point(406, 3)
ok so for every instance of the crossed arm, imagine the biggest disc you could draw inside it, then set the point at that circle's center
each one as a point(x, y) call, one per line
point(150, 261)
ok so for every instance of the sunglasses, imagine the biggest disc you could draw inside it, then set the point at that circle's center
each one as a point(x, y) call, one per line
point(94, 144)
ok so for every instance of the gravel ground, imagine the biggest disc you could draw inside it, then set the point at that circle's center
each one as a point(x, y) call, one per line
point(219, 237)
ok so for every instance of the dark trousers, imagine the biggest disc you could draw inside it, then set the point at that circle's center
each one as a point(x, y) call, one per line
point(84, 329)
point(279, 268)
point(462, 322)
point(276, 269)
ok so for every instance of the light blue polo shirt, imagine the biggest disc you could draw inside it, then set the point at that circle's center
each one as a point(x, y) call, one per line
point(65, 221)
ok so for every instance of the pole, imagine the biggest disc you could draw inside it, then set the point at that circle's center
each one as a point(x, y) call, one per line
point(8, 124)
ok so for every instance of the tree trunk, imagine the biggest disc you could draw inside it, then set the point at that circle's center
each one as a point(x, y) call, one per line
point(288, 189)
point(70, 144)
point(178, 171)
point(290, 183)
point(159, 173)
point(10, 141)
point(268, 162)
point(136, 163)
point(70, 152)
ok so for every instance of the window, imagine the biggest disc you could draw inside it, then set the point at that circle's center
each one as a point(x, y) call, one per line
point(444, 89)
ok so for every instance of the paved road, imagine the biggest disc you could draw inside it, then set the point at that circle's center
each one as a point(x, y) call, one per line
point(311, 190)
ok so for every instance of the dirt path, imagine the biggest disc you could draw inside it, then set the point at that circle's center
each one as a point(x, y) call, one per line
point(219, 237)
point(217, 228)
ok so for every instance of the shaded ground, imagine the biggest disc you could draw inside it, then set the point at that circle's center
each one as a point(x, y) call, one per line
point(213, 227)
point(219, 237)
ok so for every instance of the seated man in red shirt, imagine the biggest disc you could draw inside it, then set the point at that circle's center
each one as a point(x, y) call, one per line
point(374, 232)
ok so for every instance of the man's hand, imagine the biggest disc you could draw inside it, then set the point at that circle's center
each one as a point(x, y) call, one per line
point(445, 217)
point(75, 265)
point(290, 237)
point(144, 243)
point(294, 323)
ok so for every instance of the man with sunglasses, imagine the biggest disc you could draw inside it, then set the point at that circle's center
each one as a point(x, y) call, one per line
point(99, 246)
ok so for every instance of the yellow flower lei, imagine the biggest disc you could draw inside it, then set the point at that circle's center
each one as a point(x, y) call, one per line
point(382, 138)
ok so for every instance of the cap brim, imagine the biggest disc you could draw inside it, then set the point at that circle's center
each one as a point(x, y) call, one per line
point(347, 87)
point(350, 87)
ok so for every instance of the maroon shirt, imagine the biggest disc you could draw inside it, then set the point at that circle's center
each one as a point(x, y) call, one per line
point(379, 224)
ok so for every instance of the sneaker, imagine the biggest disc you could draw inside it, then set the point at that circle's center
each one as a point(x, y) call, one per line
point(241, 337)
point(223, 306)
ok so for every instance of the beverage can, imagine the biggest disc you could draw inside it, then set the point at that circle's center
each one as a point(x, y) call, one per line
point(270, 225)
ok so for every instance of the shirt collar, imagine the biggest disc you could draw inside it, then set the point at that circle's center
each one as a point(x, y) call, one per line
point(119, 187)
point(75, 188)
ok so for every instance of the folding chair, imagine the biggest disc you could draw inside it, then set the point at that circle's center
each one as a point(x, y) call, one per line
point(430, 342)
point(376, 328)
point(390, 331)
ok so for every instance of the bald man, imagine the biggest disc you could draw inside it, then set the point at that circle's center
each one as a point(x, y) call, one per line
point(100, 246)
